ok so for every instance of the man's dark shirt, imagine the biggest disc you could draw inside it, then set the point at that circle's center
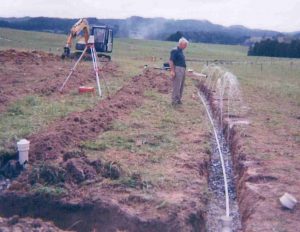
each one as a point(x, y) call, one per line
point(177, 57)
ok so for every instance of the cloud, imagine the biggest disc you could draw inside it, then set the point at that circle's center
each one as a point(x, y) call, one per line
point(266, 14)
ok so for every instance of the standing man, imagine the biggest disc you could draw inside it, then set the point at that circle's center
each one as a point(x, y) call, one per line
point(178, 66)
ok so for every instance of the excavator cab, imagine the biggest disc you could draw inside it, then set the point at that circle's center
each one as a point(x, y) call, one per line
point(103, 38)
point(103, 41)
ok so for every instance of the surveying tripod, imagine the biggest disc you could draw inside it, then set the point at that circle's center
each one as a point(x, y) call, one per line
point(90, 45)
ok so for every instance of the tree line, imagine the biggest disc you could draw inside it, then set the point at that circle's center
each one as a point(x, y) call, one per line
point(273, 48)
point(214, 37)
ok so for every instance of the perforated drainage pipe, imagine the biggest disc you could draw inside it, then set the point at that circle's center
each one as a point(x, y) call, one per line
point(220, 154)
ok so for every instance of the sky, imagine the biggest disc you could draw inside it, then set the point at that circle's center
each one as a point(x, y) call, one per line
point(279, 15)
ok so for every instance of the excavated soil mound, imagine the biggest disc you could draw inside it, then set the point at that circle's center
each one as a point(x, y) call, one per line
point(19, 57)
point(25, 73)
point(67, 134)
point(74, 170)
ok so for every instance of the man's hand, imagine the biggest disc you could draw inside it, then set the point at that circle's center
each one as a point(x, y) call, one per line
point(172, 74)
point(172, 69)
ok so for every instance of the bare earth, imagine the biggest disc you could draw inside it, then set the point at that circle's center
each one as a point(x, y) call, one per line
point(96, 201)
point(92, 203)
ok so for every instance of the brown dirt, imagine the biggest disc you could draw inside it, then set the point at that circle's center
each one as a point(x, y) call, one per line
point(66, 134)
point(265, 159)
point(26, 73)
point(57, 162)
point(271, 168)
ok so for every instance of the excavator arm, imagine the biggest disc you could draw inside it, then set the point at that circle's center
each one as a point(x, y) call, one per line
point(81, 25)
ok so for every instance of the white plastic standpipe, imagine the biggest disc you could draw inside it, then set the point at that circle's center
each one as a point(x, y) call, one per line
point(23, 148)
point(226, 224)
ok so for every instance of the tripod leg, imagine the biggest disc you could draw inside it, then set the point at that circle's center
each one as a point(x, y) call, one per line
point(94, 58)
point(73, 69)
point(105, 85)
point(96, 61)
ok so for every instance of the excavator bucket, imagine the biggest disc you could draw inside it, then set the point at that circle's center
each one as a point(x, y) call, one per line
point(66, 53)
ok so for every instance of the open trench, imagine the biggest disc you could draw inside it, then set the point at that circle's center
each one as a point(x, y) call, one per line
point(79, 216)
point(216, 184)
point(218, 87)
point(216, 205)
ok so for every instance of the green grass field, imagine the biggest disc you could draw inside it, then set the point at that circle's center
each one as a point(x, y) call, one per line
point(28, 40)
point(274, 77)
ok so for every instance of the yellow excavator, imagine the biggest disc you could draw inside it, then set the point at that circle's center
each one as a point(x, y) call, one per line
point(102, 35)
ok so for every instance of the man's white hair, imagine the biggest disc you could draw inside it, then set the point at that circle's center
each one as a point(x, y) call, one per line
point(183, 40)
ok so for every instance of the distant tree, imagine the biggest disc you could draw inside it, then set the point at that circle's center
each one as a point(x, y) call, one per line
point(273, 48)
point(4, 23)
point(215, 37)
point(175, 37)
